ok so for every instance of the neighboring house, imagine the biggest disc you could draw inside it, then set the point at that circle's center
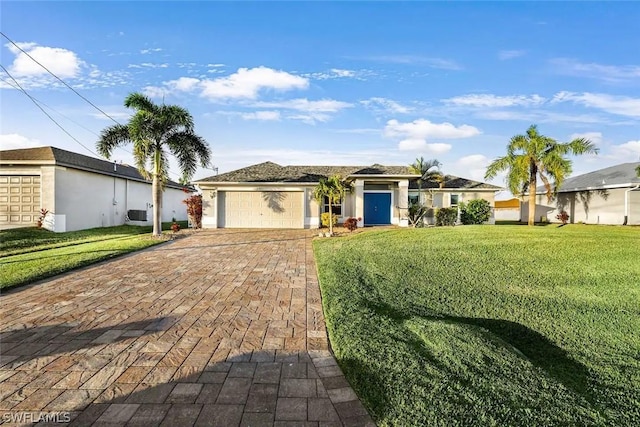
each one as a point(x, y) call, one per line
point(268, 195)
point(80, 192)
point(507, 210)
point(606, 196)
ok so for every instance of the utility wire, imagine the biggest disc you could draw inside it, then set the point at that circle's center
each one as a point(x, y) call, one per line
point(58, 78)
point(47, 114)
point(50, 108)
point(68, 86)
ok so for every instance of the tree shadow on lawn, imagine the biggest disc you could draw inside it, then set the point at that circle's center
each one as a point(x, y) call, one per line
point(528, 343)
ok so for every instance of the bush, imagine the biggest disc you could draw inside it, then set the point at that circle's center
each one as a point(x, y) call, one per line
point(351, 224)
point(194, 209)
point(324, 219)
point(477, 211)
point(446, 216)
point(563, 217)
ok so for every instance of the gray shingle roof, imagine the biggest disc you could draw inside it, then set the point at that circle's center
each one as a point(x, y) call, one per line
point(618, 175)
point(272, 172)
point(74, 160)
point(451, 181)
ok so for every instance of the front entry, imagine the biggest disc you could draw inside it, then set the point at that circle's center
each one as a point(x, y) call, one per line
point(377, 208)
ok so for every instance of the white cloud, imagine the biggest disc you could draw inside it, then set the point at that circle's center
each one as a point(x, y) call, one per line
point(246, 83)
point(152, 50)
point(262, 115)
point(155, 91)
point(184, 84)
point(595, 137)
point(629, 151)
point(357, 131)
point(13, 141)
point(215, 65)
point(621, 105)
point(417, 144)
point(416, 133)
point(149, 65)
point(386, 106)
point(493, 101)
point(473, 166)
point(310, 118)
point(607, 73)
point(62, 62)
point(504, 55)
point(340, 73)
point(437, 63)
point(422, 129)
point(303, 104)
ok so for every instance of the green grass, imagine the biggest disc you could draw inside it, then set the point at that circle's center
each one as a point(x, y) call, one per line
point(485, 325)
point(30, 254)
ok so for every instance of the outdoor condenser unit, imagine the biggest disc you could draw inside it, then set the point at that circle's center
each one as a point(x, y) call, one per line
point(135, 215)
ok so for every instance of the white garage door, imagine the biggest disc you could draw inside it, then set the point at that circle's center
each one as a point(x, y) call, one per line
point(19, 200)
point(261, 209)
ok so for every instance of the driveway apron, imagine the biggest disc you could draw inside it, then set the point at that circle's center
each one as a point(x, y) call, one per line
point(221, 328)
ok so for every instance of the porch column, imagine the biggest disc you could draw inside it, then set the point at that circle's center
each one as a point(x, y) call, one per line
point(359, 211)
point(403, 202)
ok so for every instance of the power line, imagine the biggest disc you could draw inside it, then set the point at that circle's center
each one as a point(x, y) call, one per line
point(54, 110)
point(58, 78)
point(47, 114)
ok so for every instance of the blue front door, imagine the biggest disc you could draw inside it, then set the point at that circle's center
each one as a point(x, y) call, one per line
point(377, 208)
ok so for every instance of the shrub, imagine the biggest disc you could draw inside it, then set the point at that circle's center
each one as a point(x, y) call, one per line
point(446, 216)
point(477, 211)
point(324, 219)
point(563, 217)
point(194, 209)
point(351, 224)
point(43, 214)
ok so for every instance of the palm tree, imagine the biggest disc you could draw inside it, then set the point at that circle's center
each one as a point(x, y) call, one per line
point(429, 171)
point(155, 131)
point(638, 171)
point(534, 156)
point(334, 190)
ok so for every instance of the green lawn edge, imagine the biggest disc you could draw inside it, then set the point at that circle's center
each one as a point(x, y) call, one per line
point(348, 276)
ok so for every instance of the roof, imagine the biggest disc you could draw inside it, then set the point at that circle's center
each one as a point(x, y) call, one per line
point(452, 181)
point(57, 156)
point(622, 175)
point(272, 172)
point(269, 172)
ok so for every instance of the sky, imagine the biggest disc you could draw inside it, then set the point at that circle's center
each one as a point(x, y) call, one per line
point(331, 83)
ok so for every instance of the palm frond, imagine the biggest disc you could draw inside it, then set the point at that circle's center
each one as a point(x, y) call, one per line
point(112, 137)
point(190, 150)
point(140, 102)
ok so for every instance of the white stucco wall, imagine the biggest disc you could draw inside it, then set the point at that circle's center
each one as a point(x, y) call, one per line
point(589, 207)
point(87, 200)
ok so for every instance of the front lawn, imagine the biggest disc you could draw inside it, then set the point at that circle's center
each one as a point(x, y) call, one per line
point(29, 254)
point(488, 325)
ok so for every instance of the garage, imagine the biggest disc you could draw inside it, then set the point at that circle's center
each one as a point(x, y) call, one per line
point(19, 200)
point(261, 209)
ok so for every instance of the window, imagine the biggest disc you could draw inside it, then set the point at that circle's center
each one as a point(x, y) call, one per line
point(454, 200)
point(336, 208)
point(413, 199)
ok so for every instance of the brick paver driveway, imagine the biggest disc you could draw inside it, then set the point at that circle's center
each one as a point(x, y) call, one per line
point(219, 328)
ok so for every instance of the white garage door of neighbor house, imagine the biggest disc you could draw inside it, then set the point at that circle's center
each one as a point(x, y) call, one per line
point(19, 200)
point(261, 209)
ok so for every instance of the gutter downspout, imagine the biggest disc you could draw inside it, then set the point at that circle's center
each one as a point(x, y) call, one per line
point(626, 203)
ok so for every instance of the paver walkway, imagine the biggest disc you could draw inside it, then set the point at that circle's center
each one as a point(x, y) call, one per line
point(221, 328)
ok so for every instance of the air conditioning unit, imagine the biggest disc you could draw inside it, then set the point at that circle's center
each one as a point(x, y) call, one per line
point(136, 215)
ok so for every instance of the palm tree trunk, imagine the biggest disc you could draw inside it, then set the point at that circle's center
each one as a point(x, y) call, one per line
point(533, 171)
point(157, 196)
